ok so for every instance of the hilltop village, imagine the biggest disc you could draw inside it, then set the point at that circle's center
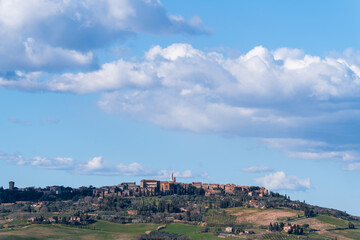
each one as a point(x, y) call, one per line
point(150, 188)
point(156, 187)
point(213, 209)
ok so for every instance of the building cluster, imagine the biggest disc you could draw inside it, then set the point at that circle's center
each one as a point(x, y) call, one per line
point(154, 188)
point(293, 229)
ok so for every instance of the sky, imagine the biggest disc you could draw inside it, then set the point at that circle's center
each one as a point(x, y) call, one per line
point(246, 92)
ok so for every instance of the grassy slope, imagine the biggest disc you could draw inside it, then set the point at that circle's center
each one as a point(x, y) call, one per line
point(332, 220)
point(340, 223)
point(108, 230)
point(104, 230)
point(15, 222)
point(39, 232)
point(132, 229)
point(284, 236)
point(188, 230)
point(353, 234)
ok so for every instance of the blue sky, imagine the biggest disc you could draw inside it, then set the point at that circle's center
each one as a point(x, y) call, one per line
point(246, 92)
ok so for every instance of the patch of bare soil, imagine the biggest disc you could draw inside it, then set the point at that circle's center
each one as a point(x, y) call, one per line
point(262, 217)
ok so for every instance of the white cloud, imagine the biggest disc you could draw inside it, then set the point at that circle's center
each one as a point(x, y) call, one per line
point(114, 75)
point(97, 166)
point(40, 56)
point(292, 143)
point(15, 158)
point(257, 75)
point(60, 35)
point(278, 96)
point(281, 181)
point(39, 161)
point(255, 169)
point(52, 163)
point(65, 163)
point(173, 52)
point(15, 14)
point(344, 156)
point(133, 169)
point(313, 150)
point(95, 163)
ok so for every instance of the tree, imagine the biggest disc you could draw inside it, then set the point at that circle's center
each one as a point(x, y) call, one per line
point(308, 212)
point(351, 225)
point(271, 227)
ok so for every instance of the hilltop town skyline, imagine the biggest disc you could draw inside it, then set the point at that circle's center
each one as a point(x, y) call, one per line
point(153, 187)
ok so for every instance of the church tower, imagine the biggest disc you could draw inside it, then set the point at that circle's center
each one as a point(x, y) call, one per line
point(172, 176)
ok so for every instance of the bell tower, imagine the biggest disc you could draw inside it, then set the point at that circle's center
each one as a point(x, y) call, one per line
point(172, 176)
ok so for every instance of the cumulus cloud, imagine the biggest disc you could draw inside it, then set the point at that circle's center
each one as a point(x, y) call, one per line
point(281, 181)
point(95, 163)
point(40, 56)
point(252, 95)
point(57, 35)
point(279, 96)
point(256, 169)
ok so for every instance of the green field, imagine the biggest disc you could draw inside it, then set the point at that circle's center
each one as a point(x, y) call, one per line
point(351, 233)
point(39, 232)
point(109, 230)
point(189, 230)
point(15, 222)
point(218, 217)
point(332, 220)
point(132, 229)
point(283, 236)
point(104, 230)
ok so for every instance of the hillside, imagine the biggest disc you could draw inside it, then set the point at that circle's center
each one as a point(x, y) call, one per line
point(253, 221)
point(196, 216)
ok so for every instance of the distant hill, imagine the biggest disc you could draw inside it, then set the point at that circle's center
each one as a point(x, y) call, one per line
point(246, 213)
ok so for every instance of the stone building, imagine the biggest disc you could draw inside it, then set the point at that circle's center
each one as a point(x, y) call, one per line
point(11, 185)
point(197, 184)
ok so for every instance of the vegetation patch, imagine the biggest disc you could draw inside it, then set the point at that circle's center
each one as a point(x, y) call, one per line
point(130, 228)
point(282, 236)
point(352, 234)
point(333, 221)
point(191, 231)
